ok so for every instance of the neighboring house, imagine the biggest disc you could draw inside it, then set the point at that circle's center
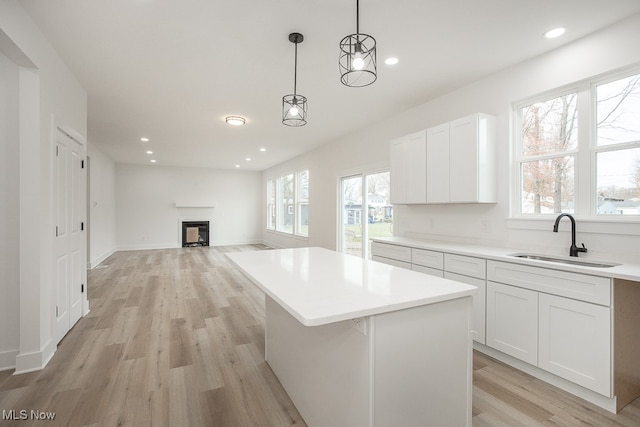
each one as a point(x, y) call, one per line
point(619, 207)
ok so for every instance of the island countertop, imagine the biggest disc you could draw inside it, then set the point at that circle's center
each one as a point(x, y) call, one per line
point(318, 286)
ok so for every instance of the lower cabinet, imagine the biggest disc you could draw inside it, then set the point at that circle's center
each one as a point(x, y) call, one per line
point(512, 321)
point(479, 303)
point(568, 338)
point(575, 342)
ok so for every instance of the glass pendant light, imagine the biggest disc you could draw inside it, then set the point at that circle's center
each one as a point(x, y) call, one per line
point(358, 57)
point(294, 106)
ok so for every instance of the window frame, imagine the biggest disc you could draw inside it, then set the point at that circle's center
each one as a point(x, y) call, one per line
point(585, 163)
point(291, 209)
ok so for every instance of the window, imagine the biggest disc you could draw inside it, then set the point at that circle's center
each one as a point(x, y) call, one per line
point(271, 204)
point(284, 213)
point(302, 204)
point(364, 217)
point(288, 203)
point(578, 151)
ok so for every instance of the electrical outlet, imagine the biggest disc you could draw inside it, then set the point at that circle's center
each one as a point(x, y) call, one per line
point(360, 325)
point(485, 225)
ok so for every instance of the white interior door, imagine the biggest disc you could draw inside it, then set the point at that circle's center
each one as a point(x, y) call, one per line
point(69, 200)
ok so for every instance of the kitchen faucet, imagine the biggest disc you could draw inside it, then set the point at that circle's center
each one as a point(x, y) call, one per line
point(573, 250)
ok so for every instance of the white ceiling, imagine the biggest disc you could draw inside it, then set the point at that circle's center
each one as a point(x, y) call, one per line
point(171, 70)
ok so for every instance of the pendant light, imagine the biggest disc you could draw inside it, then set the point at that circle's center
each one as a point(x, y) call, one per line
point(294, 106)
point(358, 57)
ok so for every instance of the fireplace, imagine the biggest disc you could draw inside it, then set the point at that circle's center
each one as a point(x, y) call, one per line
point(195, 233)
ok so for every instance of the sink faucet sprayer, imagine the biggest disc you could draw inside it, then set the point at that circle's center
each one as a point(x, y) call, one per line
point(573, 250)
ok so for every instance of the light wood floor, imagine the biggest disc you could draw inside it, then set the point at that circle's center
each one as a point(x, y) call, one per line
point(176, 338)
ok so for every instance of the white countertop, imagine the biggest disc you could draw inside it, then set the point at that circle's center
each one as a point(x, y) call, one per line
point(625, 271)
point(318, 286)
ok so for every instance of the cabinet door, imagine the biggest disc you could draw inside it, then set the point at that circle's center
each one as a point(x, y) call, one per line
point(398, 171)
point(438, 164)
point(463, 149)
point(575, 342)
point(478, 304)
point(512, 321)
point(416, 173)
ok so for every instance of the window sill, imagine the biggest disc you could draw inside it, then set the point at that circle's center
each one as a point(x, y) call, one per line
point(628, 227)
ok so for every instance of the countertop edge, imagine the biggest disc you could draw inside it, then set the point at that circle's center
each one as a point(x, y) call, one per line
point(502, 254)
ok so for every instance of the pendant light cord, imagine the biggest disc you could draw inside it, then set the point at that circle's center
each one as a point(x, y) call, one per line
point(357, 16)
point(295, 70)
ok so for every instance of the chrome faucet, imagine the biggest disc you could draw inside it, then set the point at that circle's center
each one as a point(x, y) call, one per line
point(573, 250)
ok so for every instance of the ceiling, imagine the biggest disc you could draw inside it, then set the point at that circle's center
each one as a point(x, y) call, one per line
point(171, 70)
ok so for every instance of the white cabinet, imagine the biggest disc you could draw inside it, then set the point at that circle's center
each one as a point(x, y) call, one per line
point(575, 342)
point(408, 164)
point(428, 262)
point(472, 271)
point(477, 305)
point(556, 320)
point(438, 164)
point(512, 321)
point(461, 161)
point(472, 150)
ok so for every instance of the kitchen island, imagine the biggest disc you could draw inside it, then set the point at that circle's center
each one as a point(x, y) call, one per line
point(360, 343)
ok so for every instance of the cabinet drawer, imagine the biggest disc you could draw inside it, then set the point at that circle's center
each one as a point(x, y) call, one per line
point(427, 258)
point(427, 270)
point(399, 253)
point(468, 266)
point(563, 283)
point(393, 262)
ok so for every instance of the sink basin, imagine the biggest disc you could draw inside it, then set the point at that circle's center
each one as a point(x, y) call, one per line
point(570, 261)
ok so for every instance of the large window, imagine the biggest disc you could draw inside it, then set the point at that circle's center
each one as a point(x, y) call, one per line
point(288, 203)
point(578, 151)
point(365, 212)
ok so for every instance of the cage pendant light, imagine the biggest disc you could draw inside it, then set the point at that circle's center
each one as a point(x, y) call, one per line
point(358, 57)
point(294, 106)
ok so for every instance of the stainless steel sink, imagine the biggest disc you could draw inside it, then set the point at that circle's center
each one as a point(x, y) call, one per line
point(571, 261)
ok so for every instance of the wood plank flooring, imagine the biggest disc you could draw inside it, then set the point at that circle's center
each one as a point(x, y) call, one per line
point(176, 338)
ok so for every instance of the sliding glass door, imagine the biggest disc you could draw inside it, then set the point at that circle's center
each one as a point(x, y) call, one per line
point(365, 212)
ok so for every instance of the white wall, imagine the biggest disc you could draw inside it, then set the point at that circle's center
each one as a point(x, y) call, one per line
point(46, 90)
point(102, 206)
point(607, 50)
point(9, 214)
point(146, 215)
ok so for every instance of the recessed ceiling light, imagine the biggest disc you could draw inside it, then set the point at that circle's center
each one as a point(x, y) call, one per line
point(153, 160)
point(237, 166)
point(263, 149)
point(391, 61)
point(235, 120)
point(248, 159)
point(149, 152)
point(144, 139)
point(555, 32)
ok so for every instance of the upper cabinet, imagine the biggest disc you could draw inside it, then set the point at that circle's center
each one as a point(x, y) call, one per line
point(408, 160)
point(472, 159)
point(458, 164)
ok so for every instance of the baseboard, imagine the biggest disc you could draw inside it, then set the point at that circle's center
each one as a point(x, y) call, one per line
point(94, 263)
point(35, 361)
point(148, 247)
point(8, 359)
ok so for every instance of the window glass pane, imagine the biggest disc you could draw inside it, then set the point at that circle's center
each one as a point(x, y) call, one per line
point(352, 216)
point(550, 126)
point(285, 204)
point(303, 203)
point(548, 186)
point(379, 209)
point(271, 204)
point(618, 182)
point(617, 111)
